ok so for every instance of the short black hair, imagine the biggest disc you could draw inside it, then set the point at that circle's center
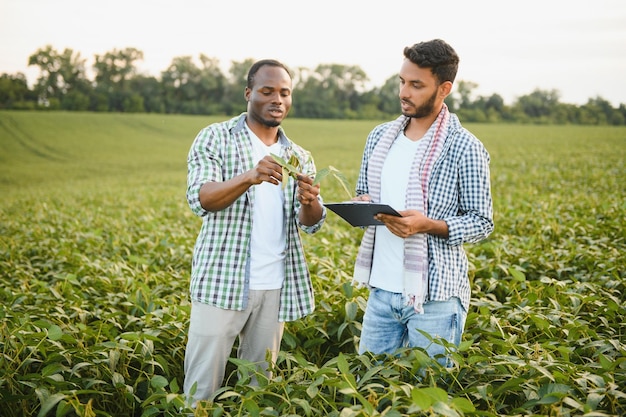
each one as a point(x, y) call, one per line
point(437, 55)
point(257, 66)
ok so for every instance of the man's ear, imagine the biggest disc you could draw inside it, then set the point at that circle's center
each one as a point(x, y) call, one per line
point(445, 88)
point(246, 94)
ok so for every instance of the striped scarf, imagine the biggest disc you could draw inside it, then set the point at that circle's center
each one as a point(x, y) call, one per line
point(415, 277)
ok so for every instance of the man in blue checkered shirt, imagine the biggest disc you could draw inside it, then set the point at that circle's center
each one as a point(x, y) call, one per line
point(249, 274)
point(436, 174)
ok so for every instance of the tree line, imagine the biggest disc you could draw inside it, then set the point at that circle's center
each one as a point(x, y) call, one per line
point(330, 91)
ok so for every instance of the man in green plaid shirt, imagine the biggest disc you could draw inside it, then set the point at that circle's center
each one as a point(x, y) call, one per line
point(249, 273)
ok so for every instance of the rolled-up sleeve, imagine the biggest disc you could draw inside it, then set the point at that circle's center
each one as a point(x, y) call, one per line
point(203, 165)
point(310, 170)
point(474, 220)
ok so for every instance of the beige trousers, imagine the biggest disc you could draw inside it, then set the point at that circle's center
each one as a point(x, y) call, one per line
point(212, 334)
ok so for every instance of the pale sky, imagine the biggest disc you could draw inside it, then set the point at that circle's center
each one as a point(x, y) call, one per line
point(506, 47)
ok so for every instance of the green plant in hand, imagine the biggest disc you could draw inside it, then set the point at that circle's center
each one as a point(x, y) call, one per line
point(293, 166)
point(290, 168)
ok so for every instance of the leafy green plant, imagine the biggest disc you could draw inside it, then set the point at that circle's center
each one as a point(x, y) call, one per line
point(95, 254)
point(292, 168)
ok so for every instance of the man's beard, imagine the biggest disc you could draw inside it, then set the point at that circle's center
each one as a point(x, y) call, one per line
point(425, 109)
point(270, 123)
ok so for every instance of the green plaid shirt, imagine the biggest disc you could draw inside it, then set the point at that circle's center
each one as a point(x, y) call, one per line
point(220, 267)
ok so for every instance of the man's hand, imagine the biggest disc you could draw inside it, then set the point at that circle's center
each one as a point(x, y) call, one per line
point(412, 222)
point(266, 170)
point(362, 197)
point(311, 209)
point(306, 192)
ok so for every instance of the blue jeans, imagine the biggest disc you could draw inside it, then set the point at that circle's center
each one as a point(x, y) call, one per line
point(389, 324)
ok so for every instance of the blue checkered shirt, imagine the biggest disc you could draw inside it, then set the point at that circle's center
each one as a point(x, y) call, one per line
point(219, 273)
point(460, 194)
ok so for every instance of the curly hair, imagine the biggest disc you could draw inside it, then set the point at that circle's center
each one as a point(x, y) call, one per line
point(437, 55)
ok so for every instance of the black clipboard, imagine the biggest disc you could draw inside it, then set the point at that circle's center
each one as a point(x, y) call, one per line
point(361, 213)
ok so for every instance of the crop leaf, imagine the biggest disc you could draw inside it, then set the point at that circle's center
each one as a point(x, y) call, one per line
point(338, 175)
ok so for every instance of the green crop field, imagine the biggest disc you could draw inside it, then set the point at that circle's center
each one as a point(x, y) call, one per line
point(95, 252)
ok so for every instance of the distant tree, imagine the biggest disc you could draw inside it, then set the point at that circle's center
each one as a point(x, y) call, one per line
point(212, 86)
point(494, 102)
point(331, 91)
point(539, 105)
point(113, 71)
point(463, 95)
point(389, 101)
point(345, 84)
point(621, 110)
point(604, 111)
point(239, 72)
point(564, 113)
point(116, 67)
point(179, 84)
point(483, 109)
point(369, 107)
point(151, 91)
point(312, 101)
point(60, 74)
point(232, 101)
point(460, 102)
point(14, 92)
point(191, 89)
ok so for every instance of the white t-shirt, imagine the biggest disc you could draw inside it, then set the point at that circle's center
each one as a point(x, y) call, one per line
point(388, 263)
point(268, 244)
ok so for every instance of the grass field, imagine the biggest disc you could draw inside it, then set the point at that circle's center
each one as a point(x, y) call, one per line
point(95, 251)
